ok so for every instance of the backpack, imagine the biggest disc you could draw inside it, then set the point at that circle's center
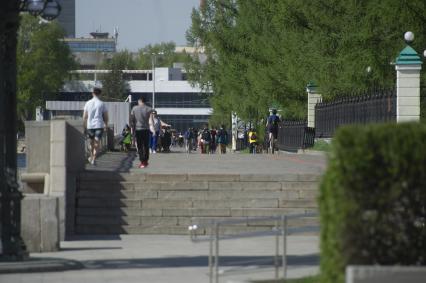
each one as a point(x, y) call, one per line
point(206, 136)
point(273, 120)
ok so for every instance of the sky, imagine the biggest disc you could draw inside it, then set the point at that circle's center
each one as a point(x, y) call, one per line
point(140, 22)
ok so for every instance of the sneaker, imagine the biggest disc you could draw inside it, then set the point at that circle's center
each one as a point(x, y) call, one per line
point(154, 151)
point(89, 159)
point(93, 162)
point(142, 165)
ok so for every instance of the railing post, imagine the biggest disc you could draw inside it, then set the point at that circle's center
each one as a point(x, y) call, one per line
point(277, 247)
point(284, 235)
point(408, 67)
point(216, 259)
point(313, 98)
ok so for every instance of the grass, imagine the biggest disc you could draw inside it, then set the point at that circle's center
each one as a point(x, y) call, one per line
point(314, 279)
point(322, 146)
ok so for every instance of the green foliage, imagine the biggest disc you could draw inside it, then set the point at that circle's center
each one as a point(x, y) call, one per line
point(43, 62)
point(372, 200)
point(322, 146)
point(165, 57)
point(114, 87)
point(262, 52)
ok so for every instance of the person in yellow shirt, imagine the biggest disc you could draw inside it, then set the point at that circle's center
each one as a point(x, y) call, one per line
point(252, 137)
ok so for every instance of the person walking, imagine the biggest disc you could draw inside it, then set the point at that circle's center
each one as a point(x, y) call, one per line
point(213, 134)
point(205, 140)
point(222, 139)
point(139, 121)
point(95, 121)
point(252, 136)
point(155, 125)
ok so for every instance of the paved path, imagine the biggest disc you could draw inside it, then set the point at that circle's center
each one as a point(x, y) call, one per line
point(231, 163)
point(170, 259)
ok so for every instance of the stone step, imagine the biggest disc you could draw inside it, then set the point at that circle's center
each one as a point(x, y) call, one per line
point(310, 194)
point(139, 203)
point(196, 204)
point(96, 176)
point(113, 186)
point(189, 212)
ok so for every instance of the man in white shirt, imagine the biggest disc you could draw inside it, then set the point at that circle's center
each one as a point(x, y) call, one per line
point(95, 118)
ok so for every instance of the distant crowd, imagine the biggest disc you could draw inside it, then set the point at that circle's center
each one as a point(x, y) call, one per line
point(150, 134)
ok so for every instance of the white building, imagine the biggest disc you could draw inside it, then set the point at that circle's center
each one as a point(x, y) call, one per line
point(176, 101)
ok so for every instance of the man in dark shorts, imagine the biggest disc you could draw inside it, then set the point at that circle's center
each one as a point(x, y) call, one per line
point(139, 121)
point(95, 119)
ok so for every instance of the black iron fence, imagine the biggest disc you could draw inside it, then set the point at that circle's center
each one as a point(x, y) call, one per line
point(375, 108)
point(294, 135)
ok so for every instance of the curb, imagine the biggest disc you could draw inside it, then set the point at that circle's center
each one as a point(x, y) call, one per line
point(33, 265)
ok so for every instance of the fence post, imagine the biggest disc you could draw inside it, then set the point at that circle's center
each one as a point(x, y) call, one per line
point(313, 99)
point(408, 67)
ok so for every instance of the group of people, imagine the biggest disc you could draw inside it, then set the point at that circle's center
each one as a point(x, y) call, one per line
point(207, 140)
point(147, 128)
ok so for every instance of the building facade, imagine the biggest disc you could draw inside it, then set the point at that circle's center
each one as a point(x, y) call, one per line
point(90, 52)
point(67, 17)
point(177, 102)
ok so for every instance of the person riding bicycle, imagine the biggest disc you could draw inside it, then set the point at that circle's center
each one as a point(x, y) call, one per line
point(272, 125)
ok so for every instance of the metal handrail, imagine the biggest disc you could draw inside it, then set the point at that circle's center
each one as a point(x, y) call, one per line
point(280, 229)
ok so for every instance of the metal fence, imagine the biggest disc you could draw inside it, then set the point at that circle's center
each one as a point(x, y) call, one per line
point(295, 135)
point(280, 230)
point(377, 107)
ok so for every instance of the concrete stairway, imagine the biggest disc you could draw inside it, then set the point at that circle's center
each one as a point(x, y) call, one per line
point(136, 203)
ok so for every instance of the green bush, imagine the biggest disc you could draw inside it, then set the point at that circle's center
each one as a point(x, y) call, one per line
point(373, 198)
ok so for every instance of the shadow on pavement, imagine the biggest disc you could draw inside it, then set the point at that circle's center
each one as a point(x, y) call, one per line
point(89, 249)
point(198, 261)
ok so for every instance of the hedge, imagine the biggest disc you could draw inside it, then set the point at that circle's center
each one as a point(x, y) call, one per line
point(373, 197)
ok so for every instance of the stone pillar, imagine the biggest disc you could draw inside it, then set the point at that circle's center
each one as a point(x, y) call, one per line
point(408, 67)
point(58, 168)
point(313, 98)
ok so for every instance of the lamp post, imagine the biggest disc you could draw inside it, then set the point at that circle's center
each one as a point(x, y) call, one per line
point(12, 246)
point(153, 63)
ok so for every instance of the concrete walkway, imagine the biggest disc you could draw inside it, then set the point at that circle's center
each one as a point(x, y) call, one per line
point(231, 163)
point(170, 259)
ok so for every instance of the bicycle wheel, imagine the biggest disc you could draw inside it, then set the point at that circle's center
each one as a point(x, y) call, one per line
point(271, 145)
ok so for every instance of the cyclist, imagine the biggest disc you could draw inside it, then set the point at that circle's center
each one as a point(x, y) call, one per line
point(272, 127)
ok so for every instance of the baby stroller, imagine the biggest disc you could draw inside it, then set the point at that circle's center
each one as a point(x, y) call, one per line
point(166, 140)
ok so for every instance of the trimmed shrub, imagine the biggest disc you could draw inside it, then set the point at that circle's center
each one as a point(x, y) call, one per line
point(373, 198)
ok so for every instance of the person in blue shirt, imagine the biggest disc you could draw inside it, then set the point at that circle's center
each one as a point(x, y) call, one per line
point(273, 124)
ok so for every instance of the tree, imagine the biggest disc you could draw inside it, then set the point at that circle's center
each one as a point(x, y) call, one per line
point(43, 63)
point(114, 86)
point(165, 57)
point(263, 52)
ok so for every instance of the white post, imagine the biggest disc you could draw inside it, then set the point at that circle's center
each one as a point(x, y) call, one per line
point(313, 99)
point(408, 67)
point(234, 131)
